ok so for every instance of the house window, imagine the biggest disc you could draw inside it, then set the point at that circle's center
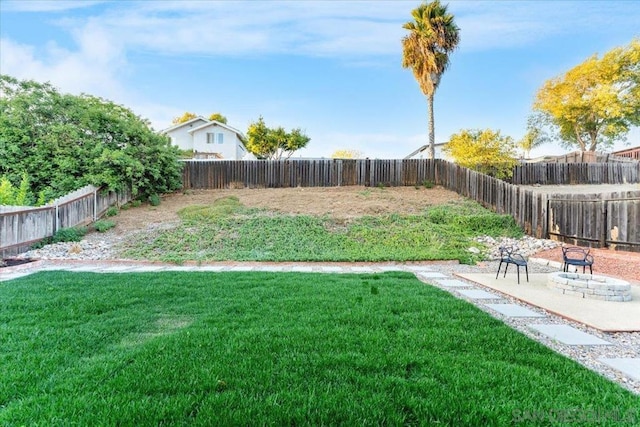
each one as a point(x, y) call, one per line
point(213, 138)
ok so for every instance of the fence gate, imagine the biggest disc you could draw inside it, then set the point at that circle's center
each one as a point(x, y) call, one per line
point(596, 223)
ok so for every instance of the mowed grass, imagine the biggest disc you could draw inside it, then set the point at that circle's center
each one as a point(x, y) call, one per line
point(275, 349)
point(226, 230)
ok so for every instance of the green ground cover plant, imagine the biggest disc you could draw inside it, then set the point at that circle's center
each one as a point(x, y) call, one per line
point(227, 230)
point(275, 349)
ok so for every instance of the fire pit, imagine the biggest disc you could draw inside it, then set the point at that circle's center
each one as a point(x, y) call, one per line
point(589, 286)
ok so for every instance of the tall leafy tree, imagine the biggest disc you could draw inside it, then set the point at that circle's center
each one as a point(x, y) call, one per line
point(534, 137)
point(218, 118)
point(274, 144)
point(595, 103)
point(188, 115)
point(63, 142)
point(348, 153)
point(485, 151)
point(433, 36)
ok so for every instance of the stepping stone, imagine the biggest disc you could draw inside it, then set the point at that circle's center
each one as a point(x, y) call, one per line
point(81, 269)
point(241, 268)
point(430, 275)
point(514, 310)
point(331, 269)
point(362, 269)
point(148, 269)
point(301, 269)
point(273, 268)
point(452, 283)
point(389, 268)
point(418, 268)
point(478, 294)
point(568, 335)
point(10, 276)
point(114, 269)
point(211, 268)
point(628, 366)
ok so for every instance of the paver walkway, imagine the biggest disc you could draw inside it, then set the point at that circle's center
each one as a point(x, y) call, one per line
point(474, 292)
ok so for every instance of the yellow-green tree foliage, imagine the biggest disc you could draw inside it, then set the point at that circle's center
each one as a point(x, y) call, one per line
point(218, 118)
point(485, 151)
point(595, 103)
point(184, 118)
point(274, 144)
point(347, 154)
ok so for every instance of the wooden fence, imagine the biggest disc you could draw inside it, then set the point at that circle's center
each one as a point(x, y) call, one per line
point(530, 209)
point(589, 157)
point(597, 220)
point(576, 173)
point(21, 227)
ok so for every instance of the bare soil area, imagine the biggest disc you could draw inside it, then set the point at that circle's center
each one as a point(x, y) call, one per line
point(342, 202)
point(339, 202)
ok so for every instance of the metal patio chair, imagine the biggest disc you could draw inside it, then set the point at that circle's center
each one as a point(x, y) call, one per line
point(508, 256)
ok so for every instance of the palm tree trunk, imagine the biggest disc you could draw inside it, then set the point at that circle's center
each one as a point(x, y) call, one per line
point(432, 134)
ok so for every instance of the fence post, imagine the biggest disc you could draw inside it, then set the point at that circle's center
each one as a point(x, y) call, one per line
point(57, 221)
point(605, 227)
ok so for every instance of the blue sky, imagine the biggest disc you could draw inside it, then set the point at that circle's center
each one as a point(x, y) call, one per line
point(331, 68)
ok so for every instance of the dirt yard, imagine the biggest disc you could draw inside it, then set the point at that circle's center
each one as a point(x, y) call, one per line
point(340, 202)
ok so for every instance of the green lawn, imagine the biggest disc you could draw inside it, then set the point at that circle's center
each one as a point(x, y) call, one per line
point(275, 349)
point(226, 230)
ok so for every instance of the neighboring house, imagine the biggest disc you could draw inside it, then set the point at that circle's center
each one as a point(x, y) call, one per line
point(632, 153)
point(422, 152)
point(209, 139)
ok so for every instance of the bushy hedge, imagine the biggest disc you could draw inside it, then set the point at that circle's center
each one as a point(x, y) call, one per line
point(64, 142)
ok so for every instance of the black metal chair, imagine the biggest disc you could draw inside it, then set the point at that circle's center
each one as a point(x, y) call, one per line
point(577, 257)
point(508, 256)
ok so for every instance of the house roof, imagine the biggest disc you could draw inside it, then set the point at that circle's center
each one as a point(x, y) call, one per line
point(627, 150)
point(424, 147)
point(188, 122)
point(215, 123)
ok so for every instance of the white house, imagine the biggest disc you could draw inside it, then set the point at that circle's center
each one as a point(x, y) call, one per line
point(209, 139)
point(421, 153)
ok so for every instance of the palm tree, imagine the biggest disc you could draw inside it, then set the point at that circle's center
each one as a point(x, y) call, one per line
point(432, 37)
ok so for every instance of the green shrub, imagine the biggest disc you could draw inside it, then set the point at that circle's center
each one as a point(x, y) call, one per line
point(428, 184)
point(72, 234)
point(136, 203)
point(42, 243)
point(125, 207)
point(154, 200)
point(112, 211)
point(103, 225)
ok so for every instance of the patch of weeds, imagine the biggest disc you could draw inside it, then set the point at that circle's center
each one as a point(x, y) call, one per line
point(136, 203)
point(428, 184)
point(154, 200)
point(41, 244)
point(71, 234)
point(103, 225)
point(365, 193)
point(111, 211)
point(220, 208)
point(125, 207)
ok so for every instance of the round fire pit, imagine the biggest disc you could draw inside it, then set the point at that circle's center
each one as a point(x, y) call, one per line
point(589, 286)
